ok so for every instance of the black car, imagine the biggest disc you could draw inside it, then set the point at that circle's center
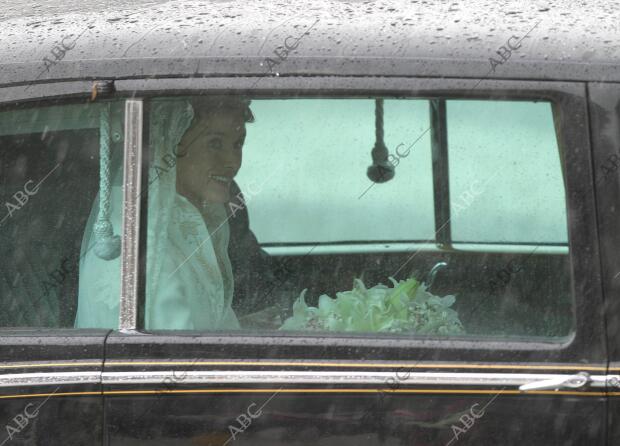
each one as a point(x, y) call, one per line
point(330, 223)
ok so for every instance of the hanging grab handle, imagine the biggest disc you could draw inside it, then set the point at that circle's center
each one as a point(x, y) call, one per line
point(108, 245)
point(381, 169)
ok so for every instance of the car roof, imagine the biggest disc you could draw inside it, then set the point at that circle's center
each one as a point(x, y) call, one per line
point(563, 40)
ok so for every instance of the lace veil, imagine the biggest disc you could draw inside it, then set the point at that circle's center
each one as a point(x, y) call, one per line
point(189, 282)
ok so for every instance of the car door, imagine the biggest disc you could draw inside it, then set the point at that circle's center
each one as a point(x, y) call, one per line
point(492, 213)
point(604, 106)
point(50, 372)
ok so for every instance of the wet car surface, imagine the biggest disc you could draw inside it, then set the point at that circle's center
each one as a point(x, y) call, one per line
point(502, 208)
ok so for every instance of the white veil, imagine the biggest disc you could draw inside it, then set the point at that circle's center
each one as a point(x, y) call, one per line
point(189, 282)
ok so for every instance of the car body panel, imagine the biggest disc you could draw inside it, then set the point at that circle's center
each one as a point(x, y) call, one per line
point(48, 377)
point(235, 37)
point(605, 116)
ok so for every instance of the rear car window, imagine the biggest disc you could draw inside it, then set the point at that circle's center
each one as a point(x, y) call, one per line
point(50, 166)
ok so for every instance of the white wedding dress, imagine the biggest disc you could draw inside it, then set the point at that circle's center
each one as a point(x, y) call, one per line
point(189, 280)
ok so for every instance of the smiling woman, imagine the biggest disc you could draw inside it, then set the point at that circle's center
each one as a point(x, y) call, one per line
point(210, 151)
point(189, 273)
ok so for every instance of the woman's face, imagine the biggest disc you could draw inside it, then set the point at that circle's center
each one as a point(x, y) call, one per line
point(210, 156)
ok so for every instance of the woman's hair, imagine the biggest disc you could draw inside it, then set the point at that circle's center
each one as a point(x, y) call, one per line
point(204, 105)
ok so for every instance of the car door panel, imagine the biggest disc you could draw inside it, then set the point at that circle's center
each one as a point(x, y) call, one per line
point(181, 387)
point(51, 386)
point(263, 398)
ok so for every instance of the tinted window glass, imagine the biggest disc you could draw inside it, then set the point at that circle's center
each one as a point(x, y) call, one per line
point(49, 184)
point(289, 132)
point(514, 143)
point(262, 216)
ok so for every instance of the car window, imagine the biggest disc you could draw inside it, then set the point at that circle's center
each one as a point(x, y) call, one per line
point(50, 166)
point(328, 212)
point(262, 216)
point(515, 143)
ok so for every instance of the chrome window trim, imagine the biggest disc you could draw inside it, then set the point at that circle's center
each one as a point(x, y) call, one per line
point(386, 379)
point(45, 379)
point(132, 177)
point(333, 377)
point(404, 247)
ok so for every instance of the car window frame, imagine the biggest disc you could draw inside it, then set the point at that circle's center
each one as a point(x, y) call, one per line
point(59, 93)
point(575, 134)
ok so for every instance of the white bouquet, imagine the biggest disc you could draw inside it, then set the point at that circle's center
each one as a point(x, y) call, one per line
point(407, 307)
